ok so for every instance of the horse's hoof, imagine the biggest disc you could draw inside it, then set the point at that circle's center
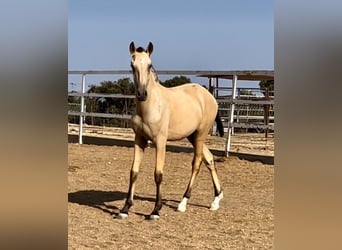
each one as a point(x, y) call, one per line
point(182, 205)
point(216, 203)
point(214, 207)
point(122, 216)
point(181, 208)
point(154, 217)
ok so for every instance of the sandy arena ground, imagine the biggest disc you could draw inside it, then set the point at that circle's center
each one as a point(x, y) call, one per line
point(98, 182)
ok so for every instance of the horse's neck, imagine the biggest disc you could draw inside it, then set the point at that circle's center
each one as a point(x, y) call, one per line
point(154, 92)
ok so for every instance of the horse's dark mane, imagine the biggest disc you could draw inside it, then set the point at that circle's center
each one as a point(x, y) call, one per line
point(154, 73)
point(140, 49)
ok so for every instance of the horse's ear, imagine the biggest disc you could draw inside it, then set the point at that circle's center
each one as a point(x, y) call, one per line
point(131, 48)
point(149, 49)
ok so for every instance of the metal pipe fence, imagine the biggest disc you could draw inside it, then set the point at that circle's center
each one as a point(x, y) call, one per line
point(239, 108)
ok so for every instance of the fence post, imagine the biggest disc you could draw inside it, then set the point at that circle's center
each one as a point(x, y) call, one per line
point(267, 110)
point(80, 141)
point(231, 116)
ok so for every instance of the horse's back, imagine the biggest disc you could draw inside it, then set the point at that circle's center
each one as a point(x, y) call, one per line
point(198, 95)
point(191, 108)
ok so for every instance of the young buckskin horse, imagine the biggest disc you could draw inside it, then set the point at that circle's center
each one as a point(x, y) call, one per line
point(186, 111)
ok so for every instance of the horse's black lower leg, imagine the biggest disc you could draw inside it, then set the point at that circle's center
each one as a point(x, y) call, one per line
point(140, 144)
point(216, 182)
point(217, 188)
point(195, 171)
point(209, 160)
point(130, 194)
point(196, 163)
point(158, 177)
point(158, 174)
point(217, 191)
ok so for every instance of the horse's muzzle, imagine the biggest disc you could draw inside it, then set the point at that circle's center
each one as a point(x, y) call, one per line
point(141, 95)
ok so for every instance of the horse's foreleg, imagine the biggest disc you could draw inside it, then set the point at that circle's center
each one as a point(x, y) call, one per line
point(196, 163)
point(139, 146)
point(158, 176)
point(209, 161)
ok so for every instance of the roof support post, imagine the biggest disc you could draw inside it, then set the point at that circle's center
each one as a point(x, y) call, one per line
point(216, 87)
point(231, 115)
point(210, 85)
point(80, 132)
point(211, 90)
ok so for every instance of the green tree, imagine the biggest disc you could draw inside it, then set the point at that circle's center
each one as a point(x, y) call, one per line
point(106, 87)
point(108, 104)
point(73, 99)
point(73, 105)
point(126, 86)
point(175, 81)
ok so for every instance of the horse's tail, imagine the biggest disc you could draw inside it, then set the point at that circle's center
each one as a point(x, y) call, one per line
point(219, 124)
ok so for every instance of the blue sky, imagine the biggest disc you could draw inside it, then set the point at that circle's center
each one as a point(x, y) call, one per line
point(187, 35)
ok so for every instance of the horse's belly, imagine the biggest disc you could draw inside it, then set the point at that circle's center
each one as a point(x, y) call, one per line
point(179, 132)
point(183, 122)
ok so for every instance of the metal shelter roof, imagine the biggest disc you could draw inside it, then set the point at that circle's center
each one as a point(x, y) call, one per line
point(253, 75)
point(256, 75)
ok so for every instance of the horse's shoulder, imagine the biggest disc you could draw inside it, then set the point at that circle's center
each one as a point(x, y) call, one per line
point(190, 87)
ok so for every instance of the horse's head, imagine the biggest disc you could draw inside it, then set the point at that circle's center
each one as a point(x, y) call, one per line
point(141, 66)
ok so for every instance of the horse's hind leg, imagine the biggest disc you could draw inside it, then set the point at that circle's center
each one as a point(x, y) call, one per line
point(196, 163)
point(209, 161)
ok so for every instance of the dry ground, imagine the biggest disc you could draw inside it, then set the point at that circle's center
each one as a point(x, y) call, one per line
point(98, 182)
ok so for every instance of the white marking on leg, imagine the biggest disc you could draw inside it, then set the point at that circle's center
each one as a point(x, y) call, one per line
point(122, 216)
point(154, 217)
point(182, 205)
point(216, 203)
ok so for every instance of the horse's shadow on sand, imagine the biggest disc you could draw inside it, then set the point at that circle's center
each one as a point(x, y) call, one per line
point(98, 199)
